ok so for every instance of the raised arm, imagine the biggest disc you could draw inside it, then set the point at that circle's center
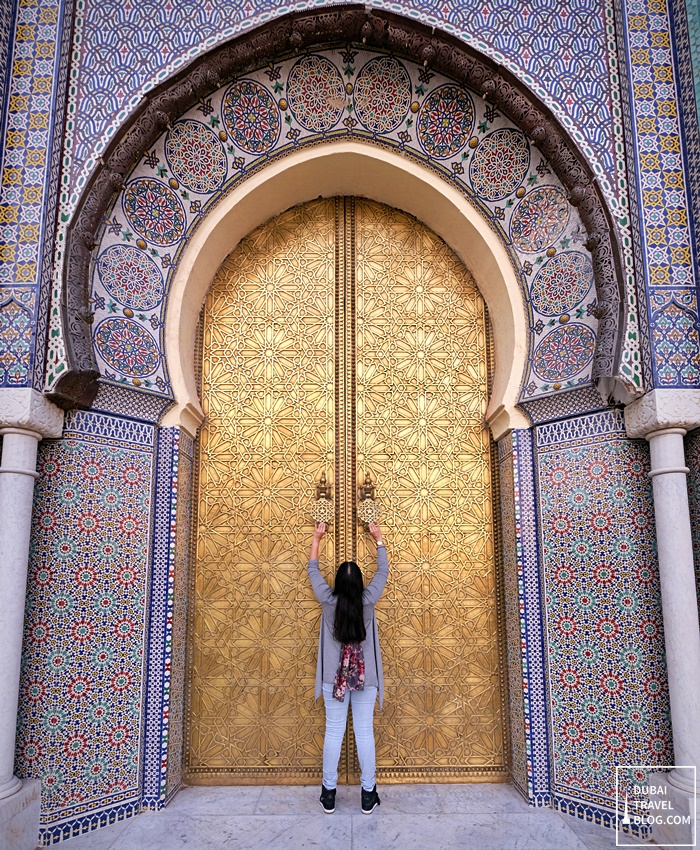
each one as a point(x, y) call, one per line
point(320, 588)
point(376, 586)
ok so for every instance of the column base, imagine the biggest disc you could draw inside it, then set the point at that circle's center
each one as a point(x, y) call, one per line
point(672, 804)
point(19, 817)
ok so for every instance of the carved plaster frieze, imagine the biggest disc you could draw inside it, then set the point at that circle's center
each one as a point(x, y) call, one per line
point(662, 409)
point(27, 408)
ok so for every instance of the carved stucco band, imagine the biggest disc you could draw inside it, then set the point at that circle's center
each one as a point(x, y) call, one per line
point(285, 37)
point(29, 410)
point(660, 410)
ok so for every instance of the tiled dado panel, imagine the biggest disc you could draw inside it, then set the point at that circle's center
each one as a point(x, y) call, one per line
point(604, 625)
point(692, 459)
point(524, 616)
point(29, 178)
point(567, 57)
point(664, 226)
point(81, 695)
point(166, 643)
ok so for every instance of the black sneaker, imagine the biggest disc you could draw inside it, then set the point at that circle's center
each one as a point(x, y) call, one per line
point(370, 801)
point(327, 799)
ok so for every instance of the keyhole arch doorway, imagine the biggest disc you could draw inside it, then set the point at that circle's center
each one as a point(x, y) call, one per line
point(344, 334)
point(350, 168)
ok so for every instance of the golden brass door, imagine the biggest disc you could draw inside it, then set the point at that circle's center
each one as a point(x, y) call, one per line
point(343, 336)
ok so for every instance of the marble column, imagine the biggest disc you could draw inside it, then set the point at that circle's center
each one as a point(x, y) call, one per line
point(25, 417)
point(663, 417)
point(678, 598)
point(17, 474)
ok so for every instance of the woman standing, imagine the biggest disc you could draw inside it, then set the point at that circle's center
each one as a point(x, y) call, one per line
point(349, 668)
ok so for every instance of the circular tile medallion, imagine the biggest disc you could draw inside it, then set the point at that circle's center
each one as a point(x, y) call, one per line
point(539, 219)
point(127, 347)
point(382, 94)
point(131, 277)
point(564, 352)
point(562, 283)
point(197, 158)
point(316, 93)
point(251, 116)
point(445, 121)
point(499, 164)
point(154, 211)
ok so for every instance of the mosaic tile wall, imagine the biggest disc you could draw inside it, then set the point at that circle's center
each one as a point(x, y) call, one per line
point(7, 23)
point(567, 58)
point(29, 185)
point(607, 670)
point(368, 96)
point(664, 225)
point(81, 689)
point(692, 8)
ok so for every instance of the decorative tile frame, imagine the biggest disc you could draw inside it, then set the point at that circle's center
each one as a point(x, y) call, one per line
point(606, 660)
point(167, 618)
point(531, 602)
point(685, 27)
point(527, 683)
point(508, 563)
point(178, 655)
point(160, 620)
point(554, 79)
point(7, 25)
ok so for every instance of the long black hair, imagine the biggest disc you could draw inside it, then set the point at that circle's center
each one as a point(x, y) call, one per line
point(348, 626)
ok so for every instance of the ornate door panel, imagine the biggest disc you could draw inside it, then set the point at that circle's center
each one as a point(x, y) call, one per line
point(421, 399)
point(344, 336)
point(268, 395)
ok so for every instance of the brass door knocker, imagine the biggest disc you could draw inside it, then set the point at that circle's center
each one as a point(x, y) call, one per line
point(368, 510)
point(322, 509)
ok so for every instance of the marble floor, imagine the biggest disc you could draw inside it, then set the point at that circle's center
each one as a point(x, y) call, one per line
point(438, 817)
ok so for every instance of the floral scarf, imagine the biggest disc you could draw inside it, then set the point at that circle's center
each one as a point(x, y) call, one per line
point(350, 675)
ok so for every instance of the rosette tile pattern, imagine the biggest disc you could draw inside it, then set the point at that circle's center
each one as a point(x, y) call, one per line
point(607, 673)
point(351, 94)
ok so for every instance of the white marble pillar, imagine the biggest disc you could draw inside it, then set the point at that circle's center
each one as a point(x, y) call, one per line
point(678, 598)
point(25, 418)
point(663, 417)
point(17, 474)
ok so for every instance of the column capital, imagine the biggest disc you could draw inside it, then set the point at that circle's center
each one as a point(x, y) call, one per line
point(660, 410)
point(29, 410)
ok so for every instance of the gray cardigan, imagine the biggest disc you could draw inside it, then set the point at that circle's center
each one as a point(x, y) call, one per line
point(329, 648)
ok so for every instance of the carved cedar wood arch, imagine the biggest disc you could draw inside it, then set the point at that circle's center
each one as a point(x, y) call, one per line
point(292, 34)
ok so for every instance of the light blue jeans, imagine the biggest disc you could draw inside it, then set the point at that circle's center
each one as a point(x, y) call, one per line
point(362, 724)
